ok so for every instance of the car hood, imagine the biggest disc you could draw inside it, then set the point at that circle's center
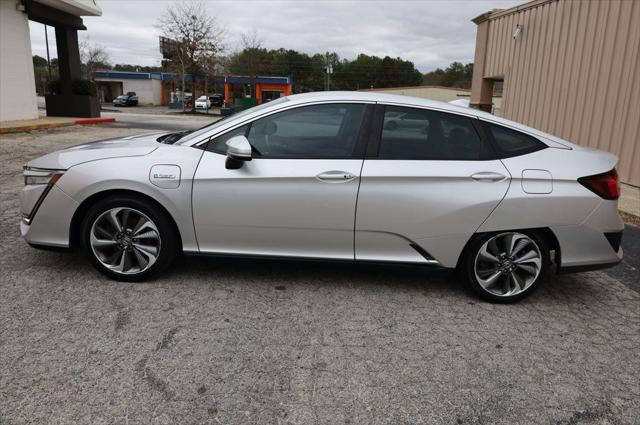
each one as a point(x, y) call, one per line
point(137, 145)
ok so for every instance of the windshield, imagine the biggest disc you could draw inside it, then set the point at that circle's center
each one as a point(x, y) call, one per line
point(122, 97)
point(202, 98)
point(198, 133)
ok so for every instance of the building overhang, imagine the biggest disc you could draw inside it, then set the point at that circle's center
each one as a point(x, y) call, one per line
point(58, 13)
point(47, 15)
point(74, 7)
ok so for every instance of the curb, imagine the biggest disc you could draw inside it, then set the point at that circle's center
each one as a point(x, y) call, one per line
point(46, 126)
point(43, 126)
point(94, 121)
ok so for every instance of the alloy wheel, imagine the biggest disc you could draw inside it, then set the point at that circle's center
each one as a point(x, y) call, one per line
point(508, 264)
point(125, 240)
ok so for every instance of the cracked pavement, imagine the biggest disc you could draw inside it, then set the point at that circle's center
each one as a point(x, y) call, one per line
point(231, 341)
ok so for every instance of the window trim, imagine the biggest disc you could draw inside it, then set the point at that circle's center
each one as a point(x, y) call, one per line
point(373, 148)
point(359, 145)
point(205, 145)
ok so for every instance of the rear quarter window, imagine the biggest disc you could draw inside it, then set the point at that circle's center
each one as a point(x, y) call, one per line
point(509, 143)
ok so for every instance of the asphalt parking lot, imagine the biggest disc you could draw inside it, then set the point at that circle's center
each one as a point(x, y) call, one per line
point(219, 341)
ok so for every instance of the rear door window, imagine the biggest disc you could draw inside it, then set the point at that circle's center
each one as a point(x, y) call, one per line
point(422, 134)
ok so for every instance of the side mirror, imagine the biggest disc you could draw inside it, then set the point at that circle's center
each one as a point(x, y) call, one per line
point(238, 151)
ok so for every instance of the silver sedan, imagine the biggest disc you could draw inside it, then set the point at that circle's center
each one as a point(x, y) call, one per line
point(338, 176)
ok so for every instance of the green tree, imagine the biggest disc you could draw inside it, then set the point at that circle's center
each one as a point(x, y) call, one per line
point(455, 75)
point(308, 71)
point(135, 68)
point(39, 61)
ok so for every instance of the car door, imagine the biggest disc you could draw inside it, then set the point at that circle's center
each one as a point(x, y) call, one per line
point(426, 186)
point(296, 197)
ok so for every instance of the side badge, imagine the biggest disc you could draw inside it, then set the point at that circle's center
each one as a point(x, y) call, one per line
point(165, 176)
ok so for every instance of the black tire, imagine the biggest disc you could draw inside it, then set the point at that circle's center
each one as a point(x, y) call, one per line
point(468, 264)
point(168, 236)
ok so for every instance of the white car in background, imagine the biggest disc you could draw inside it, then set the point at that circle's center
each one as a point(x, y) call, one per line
point(465, 104)
point(460, 102)
point(203, 102)
point(341, 176)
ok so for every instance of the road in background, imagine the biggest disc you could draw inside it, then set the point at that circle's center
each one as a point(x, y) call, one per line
point(151, 117)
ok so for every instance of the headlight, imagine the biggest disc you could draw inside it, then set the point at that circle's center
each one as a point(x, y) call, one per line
point(33, 176)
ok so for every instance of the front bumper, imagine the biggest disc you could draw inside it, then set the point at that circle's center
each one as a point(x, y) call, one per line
point(51, 223)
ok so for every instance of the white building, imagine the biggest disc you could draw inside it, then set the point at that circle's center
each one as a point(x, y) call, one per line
point(17, 85)
point(148, 86)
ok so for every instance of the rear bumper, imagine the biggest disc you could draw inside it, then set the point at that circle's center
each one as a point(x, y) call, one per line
point(589, 267)
point(593, 244)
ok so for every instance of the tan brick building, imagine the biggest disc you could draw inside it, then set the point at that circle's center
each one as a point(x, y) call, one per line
point(568, 67)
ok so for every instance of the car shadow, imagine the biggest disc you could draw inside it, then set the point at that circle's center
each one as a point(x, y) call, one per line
point(287, 272)
point(240, 274)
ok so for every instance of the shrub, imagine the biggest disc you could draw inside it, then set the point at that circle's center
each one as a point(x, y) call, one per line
point(83, 87)
point(79, 87)
point(53, 87)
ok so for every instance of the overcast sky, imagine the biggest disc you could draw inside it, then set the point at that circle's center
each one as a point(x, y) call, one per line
point(431, 34)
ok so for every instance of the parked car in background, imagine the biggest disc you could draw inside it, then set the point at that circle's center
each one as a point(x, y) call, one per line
point(465, 103)
point(216, 100)
point(326, 176)
point(206, 102)
point(128, 99)
point(203, 102)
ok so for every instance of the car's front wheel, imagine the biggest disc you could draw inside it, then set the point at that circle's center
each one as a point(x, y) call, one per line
point(506, 266)
point(128, 239)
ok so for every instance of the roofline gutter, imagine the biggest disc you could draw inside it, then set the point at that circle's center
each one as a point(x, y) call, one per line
point(497, 13)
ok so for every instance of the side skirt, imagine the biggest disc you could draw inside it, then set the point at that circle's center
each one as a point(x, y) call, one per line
point(313, 259)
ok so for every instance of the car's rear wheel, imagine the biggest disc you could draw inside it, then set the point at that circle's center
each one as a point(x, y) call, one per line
point(128, 239)
point(507, 266)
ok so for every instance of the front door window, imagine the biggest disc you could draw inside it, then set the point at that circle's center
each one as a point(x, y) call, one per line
point(310, 132)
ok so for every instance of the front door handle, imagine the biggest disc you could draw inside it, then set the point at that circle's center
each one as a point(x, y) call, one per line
point(335, 176)
point(488, 176)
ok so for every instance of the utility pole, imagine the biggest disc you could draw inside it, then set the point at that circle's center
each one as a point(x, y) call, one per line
point(46, 39)
point(328, 70)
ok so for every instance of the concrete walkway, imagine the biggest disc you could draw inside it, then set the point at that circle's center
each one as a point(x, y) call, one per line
point(630, 200)
point(35, 124)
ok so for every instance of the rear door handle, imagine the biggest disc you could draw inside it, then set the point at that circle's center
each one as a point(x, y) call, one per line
point(488, 176)
point(335, 176)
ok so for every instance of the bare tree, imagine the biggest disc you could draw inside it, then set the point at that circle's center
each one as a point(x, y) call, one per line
point(251, 40)
point(93, 57)
point(252, 54)
point(196, 36)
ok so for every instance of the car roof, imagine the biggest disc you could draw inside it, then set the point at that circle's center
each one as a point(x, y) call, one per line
point(369, 96)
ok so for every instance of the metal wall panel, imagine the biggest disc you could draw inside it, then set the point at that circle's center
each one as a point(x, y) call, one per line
point(574, 71)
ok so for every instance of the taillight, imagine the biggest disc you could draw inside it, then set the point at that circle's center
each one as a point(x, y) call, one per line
point(605, 185)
